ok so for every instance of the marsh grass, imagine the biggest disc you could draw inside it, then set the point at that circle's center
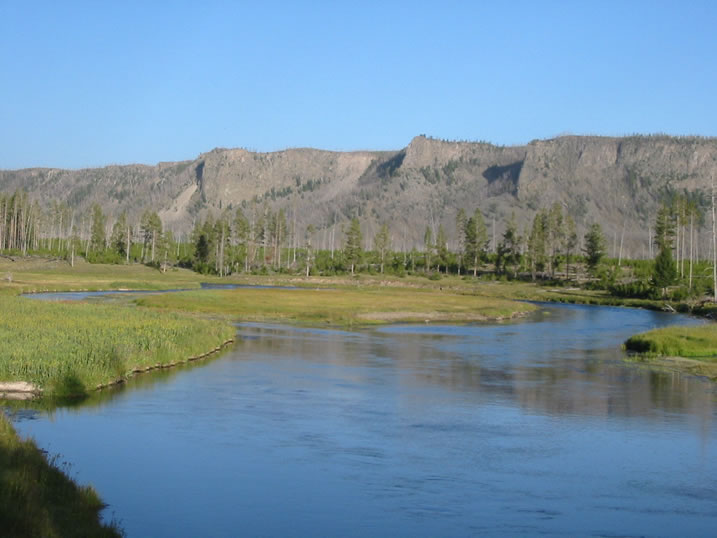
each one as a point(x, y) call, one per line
point(344, 307)
point(38, 499)
point(690, 342)
point(69, 348)
point(38, 274)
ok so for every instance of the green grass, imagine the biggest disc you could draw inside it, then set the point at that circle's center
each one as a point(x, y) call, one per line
point(69, 348)
point(345, 306)
point(38, 274)
point(690, 342)
point(38, 499)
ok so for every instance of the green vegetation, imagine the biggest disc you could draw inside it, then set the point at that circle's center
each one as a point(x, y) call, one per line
point(690, 342)
point(38, 499)
point(68, 349)
point(688, 349)
point(340, 306)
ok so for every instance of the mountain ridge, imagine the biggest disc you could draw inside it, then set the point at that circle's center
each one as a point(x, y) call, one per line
point(617, 181)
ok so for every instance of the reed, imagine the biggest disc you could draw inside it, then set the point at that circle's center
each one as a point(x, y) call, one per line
point(38, 499)
point(68, 348)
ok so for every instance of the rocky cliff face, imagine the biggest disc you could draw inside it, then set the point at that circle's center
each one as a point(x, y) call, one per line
point(618, 182)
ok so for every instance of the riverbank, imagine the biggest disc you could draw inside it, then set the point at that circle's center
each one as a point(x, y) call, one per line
point(67, 350)
point(38, 499)
point(689, 349)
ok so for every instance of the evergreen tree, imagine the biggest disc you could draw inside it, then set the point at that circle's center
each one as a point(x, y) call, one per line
point(352, 249)
point(428, 247)
point(476, 238)
point(242, 233)
point(571, 242)
point(556, 236)
point(382, 244)
point(151, 229)
point(594, 247)
point(461, 223)
point(98, 238)
point(536, 244)
point(665, 272)
point(441, 248)
point(118, 241)
point(508, 255)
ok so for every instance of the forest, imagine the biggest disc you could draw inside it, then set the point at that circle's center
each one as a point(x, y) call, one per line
point(262, 241)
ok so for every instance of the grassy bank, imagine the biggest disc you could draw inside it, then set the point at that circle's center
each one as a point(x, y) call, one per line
point(342, 307)
point(690, 349)
point(25, 275)
point(38, 499)
point(68, 349)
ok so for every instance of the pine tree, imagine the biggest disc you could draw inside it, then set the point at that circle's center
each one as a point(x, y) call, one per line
point(594, 247)
point(352, 249)
point(118, 241)
point(382, 244)
point(665, 272)
point(536, 244)
point(441, 248)
point(476, 238)
point(98, 239)
point(428, 247)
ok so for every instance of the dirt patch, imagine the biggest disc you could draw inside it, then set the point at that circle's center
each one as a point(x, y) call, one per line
point(18, 390)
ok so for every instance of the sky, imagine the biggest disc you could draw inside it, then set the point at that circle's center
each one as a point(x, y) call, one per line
point(94, 83)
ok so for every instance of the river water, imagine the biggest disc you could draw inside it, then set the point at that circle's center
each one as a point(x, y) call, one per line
point(521, 429)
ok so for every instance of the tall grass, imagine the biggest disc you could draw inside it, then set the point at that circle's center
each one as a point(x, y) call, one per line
point(38, 499)
point(70, 348)
point(690, 342)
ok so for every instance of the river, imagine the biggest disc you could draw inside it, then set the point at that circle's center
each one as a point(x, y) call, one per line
point(530, 428)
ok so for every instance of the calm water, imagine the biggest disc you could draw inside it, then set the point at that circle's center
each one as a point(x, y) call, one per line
point(524, 429)
point(103, 295)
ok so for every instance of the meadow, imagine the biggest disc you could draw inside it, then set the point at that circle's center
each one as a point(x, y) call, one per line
point(340, 307)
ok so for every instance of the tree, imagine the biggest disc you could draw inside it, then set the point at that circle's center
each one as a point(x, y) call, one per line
point(119, 239)
point(461, 223)
point(381, 243)
point(441, 248)
point(201, 249)
point(476, 238)
point(556, 236)
point(594, 247)
point(242, 233)
point(664, 228)
point(98, 238)
point(664, 273)
point(509, 248)
point(151, 228)
point(428, 247)
point(571, 242)
point(352, 249)
point(536, 243)
point(309, 251)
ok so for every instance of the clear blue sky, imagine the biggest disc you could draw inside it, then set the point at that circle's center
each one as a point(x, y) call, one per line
point(86, 84)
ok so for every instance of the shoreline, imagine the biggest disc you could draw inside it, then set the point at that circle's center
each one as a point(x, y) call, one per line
point(681, 365)
point(160, 366)
point(23, 391)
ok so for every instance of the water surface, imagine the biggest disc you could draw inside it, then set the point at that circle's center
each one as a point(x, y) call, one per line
point(518, 429)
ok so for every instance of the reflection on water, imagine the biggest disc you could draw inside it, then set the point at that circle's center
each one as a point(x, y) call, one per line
point(515, 429)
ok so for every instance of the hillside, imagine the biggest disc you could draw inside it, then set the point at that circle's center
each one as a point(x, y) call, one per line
point(616, 181)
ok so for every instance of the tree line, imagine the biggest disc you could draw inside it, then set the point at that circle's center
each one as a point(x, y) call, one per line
point(264, 241)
